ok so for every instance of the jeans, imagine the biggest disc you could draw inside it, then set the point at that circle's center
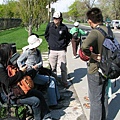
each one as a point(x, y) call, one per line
point(35, 103)
point(60, 58)
point(98, 97)
point(52, 90)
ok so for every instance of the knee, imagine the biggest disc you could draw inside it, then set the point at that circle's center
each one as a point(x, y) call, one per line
point(36, 102)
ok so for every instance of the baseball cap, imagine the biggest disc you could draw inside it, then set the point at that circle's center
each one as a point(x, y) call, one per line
point(34, 41)
point(76, 24)
point(57, 14)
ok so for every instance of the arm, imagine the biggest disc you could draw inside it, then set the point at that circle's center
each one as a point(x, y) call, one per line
point(91, 40)
point(82, 32)
point(68, 36)
point(21, 60)
point(40, 61)
point(47, 32)
point(8, 81)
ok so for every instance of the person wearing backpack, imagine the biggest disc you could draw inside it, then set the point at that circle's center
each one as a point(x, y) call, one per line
point(58, 38)
point(96, 82)
point(34, 98)
point(76, 38)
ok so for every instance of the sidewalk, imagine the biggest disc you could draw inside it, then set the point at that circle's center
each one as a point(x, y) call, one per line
point(72, 107)
point(73, 104)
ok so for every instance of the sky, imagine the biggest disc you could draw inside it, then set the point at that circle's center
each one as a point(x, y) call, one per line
point(60, 5)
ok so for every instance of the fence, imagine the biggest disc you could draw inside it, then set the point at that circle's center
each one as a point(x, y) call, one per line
point(6, 23)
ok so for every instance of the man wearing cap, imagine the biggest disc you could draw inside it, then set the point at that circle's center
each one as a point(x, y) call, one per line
point(76, 37)
point(58, 38)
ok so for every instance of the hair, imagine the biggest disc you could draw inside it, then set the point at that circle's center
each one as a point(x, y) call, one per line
point(95, 15)
point(35, 35)
point(5, 53)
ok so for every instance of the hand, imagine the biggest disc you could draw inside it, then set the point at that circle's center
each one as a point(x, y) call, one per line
point(24, 68)
point(35, 67)
point(96, 57)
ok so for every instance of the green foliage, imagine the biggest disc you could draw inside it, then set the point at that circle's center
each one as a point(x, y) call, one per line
point(3, 112)
point(19, 36)
point(77, 10)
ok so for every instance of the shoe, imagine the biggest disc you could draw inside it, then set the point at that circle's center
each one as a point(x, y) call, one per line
point(74, 57)
point(47, 117)
point(55, 107)
point(67, 85)
point(61, 98)
point(77, 56)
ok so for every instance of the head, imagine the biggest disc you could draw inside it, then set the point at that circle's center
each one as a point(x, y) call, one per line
point(34, 41)
point(76, 24)
point(94, 17)
point(57, 18)
point(5, 53)
point(35, 35)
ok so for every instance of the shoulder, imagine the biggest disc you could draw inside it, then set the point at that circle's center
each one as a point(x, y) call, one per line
point(51, 24)
point(63, 25)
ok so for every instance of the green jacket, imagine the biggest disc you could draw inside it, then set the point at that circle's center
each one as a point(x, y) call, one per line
point(75, 29)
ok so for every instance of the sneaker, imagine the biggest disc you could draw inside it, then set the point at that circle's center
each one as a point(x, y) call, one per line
point(61, 98)
point(74, 57)
point(47, 117)
point(67, 85)
point(55, 107)
point(77, 56)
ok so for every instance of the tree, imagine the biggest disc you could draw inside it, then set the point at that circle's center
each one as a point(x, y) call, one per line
point(77, 10)
point(110, 8)
point(32, 13)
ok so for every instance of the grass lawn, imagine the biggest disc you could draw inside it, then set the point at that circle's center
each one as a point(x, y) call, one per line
point(19, 36)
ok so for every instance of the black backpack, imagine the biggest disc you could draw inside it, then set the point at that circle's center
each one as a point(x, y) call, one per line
point(110, 57)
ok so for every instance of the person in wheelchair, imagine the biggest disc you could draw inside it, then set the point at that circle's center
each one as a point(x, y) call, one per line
point(34, 98)
point(33, 59)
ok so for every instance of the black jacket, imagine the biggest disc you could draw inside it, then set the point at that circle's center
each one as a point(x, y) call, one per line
point(58, 38)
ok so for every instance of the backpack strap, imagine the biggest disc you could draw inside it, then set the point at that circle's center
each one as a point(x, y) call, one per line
point(107, 35)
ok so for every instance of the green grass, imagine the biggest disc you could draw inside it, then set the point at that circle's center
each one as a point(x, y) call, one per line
point(19, 36)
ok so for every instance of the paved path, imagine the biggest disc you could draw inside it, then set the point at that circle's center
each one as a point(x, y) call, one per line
point(75, 94)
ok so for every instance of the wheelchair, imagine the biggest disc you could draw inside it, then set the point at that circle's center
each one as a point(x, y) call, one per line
point(10, 110)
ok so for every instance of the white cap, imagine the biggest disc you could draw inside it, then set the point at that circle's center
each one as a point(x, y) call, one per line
point(76, 24)
point(57, 14)
point(34, 41)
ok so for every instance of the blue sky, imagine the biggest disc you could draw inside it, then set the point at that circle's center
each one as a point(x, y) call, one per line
point(60, 5)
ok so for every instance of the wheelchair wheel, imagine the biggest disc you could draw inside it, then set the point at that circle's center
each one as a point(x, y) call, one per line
point(24, 112)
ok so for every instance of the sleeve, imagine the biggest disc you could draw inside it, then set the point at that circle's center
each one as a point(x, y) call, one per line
point(82, 32)
point(88, 42)
point(23, 57)
point(68, 36)
point(47, 32)
point(40, 64)
point(8, 81)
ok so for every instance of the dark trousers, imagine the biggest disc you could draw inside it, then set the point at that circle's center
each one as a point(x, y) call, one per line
point(75, 44)
point(44, 106)
point(98, 97)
